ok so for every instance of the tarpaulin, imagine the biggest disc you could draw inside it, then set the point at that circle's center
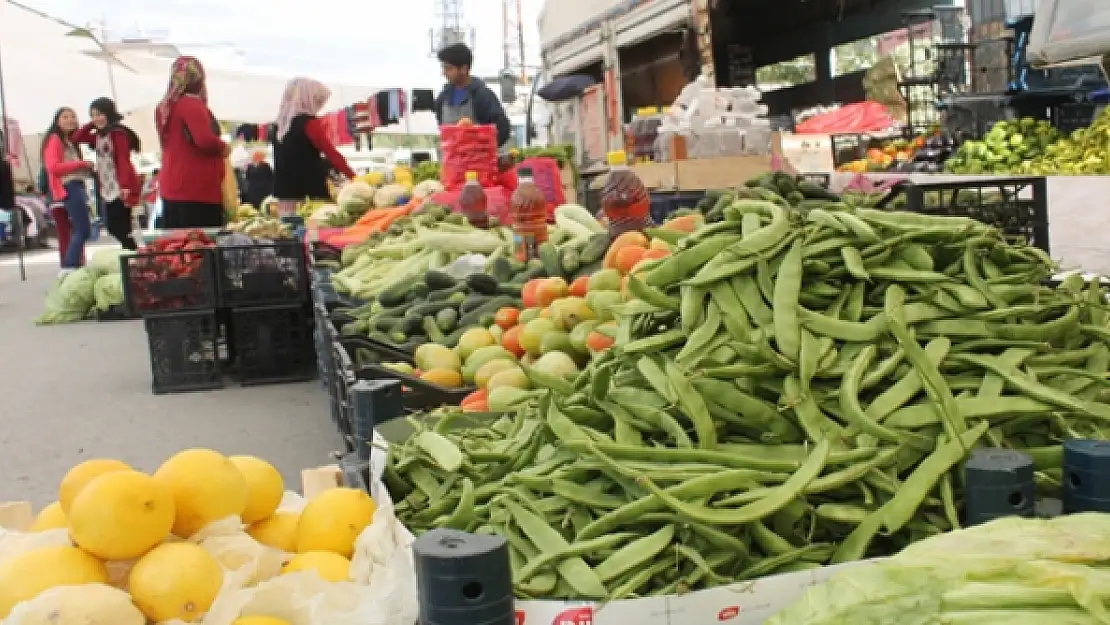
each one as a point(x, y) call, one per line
point(1069, 31)
point(851, 118)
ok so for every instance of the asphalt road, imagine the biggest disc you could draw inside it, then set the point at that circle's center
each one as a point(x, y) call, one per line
point(73, 392)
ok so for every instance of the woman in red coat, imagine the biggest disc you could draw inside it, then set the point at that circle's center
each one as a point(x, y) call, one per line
point(193, 154)
point(120, 188)
point(66, 173)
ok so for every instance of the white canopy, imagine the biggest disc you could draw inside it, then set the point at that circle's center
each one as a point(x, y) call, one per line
point(45, 68)
point(241, 96)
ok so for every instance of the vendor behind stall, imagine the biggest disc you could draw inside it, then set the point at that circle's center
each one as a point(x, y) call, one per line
point(467, 97)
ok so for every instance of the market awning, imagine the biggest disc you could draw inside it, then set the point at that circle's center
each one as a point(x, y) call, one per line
point(1065, 32)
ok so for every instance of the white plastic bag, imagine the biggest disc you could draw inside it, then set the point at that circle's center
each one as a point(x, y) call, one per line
point(247, 560)
point(13, 543)
point(1069, 31)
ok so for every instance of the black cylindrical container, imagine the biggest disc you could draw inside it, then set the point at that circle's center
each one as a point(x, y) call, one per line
point(1086, 476)
point(463, 579)
point(999, 484)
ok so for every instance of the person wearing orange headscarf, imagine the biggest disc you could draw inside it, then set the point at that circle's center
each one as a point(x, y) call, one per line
point(193, 153)
point(303, 155)
point(259, 180)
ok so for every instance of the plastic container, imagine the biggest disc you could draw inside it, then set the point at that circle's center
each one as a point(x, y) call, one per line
point(262, 273)
point(643, 131)
point(529, 212)
point(160, 282)
point(624, 199)
point(184, 351)
point(472, 201)
point(273, 344)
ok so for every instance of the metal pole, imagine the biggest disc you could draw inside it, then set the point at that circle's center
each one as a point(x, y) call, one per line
point(17, 211)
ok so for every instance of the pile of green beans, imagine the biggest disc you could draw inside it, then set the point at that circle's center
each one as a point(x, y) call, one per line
point(795, 386)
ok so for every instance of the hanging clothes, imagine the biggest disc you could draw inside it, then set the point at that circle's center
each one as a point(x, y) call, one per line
point(382, 102)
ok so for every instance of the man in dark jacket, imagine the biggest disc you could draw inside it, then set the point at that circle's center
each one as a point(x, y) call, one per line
point(465, 96)
point(7, 185)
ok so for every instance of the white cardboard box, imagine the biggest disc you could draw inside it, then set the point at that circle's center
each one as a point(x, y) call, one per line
point(747, 603)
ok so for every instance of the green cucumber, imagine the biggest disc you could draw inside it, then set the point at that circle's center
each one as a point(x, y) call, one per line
point(473, 302)
point(482, 284)
point(447, 318)
point(438, 280)
point(431, 329)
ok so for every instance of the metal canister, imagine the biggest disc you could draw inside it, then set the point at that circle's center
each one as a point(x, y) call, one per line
point(999, 484)
point(1086, 476)
point(463, 579)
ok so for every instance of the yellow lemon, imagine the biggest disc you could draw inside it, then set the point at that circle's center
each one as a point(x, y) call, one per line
point(84, 473)
point(121, 515)
point(332, 567)
point(50, 518)
point(206, 487)
point(278, 531)
point(25, 576)
point(175, 580)
point(333, 520)
point(264, 487)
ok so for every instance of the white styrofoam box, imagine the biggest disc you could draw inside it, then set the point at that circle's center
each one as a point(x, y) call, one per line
point(745, 603)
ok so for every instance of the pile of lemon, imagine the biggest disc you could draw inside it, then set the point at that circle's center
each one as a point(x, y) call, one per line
point(116, 514)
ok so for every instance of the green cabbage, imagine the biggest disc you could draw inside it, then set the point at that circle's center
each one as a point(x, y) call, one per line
point(108, 291)
point(107, 261)
point(70, 298)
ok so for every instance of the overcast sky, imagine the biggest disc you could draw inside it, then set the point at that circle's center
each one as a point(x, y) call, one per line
point(369, 42)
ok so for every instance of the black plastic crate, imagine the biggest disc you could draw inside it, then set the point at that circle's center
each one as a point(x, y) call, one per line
point(664, 204)
point(367, 357)
point(114, 313)
point(971, 117)
point(262, 274)
point(184, 351)
point(341, 378)
point(1016, 206)
point(161, 282)
point(321, 252)
point(1072, 116)
point(272, 344)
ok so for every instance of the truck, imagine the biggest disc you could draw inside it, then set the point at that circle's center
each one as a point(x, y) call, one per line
point(633, 49)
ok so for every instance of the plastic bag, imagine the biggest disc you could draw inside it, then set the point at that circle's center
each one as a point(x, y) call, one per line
point(230, 187)
point(70, 298)
point(468, 148)
point(87, 604)
point(107, 261)
point(13, 543)
point(238, 552)
point(850, 118)
point(108, 291)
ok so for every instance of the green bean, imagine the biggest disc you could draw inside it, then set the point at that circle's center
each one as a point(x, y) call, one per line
point(789, 283)
point(573, 570)
point(635, 554)
point(754, 511)
point(858, 417)
point(693, 405)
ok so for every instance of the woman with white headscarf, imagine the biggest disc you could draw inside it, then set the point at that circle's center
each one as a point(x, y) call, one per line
point(303, 154)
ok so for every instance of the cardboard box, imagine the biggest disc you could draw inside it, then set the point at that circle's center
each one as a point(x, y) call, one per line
point(701, 174)
point(747, 603)
point(657, 176)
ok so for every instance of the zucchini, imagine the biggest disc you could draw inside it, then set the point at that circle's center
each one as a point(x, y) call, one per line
point(569, 260)
point(594, 250)
point(451, 340)
point(418, 291)
point(439, 280)
point(429, 308)
point(411, 343)
point(813, 191)
point(443, 295)
point(380, 337)
point(512, 289)
point(475, 315)
point(528, 274)
point(431, 329)
point(394, 295)
point(447, 318)
point(411, 323)
point(589, 270)
point(549, 256)
point(482, 284)
point(501, 269)
point(472, 302)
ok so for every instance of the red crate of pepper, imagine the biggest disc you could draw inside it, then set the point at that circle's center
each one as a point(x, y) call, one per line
point(174, 273)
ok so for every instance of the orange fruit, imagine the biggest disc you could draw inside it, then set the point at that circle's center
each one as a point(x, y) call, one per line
point(507, 317)
point(627, 257)
point(580, 286)
point(510, 340)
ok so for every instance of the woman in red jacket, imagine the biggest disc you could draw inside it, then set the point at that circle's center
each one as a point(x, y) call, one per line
point(120, 188)
point(66, 173)
point(193, 154)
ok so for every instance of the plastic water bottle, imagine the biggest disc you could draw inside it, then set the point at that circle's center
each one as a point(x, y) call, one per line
point(529, 210)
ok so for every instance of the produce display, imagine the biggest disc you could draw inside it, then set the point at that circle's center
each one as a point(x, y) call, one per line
point(1014, 570)
point(122, 547)
point(1031, 147)
point(796, 384)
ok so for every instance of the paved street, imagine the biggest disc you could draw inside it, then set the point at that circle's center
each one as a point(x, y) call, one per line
point(81, 391)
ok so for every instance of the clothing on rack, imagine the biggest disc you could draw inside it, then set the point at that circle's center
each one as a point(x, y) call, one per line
point(247, 132)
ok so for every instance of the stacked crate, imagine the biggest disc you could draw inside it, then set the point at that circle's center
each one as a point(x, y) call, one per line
point(176, 296)
point(263, 290)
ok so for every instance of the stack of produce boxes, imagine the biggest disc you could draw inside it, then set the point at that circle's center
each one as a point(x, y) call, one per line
point(264, 289)
point(237, 305)
point(171, 284)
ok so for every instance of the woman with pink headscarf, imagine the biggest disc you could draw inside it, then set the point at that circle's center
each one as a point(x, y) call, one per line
point(303, 155)
point(192, 152)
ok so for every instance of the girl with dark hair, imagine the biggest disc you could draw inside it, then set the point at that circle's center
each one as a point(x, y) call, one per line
point(118, 182)
point(193, 154)
point(66, 172)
